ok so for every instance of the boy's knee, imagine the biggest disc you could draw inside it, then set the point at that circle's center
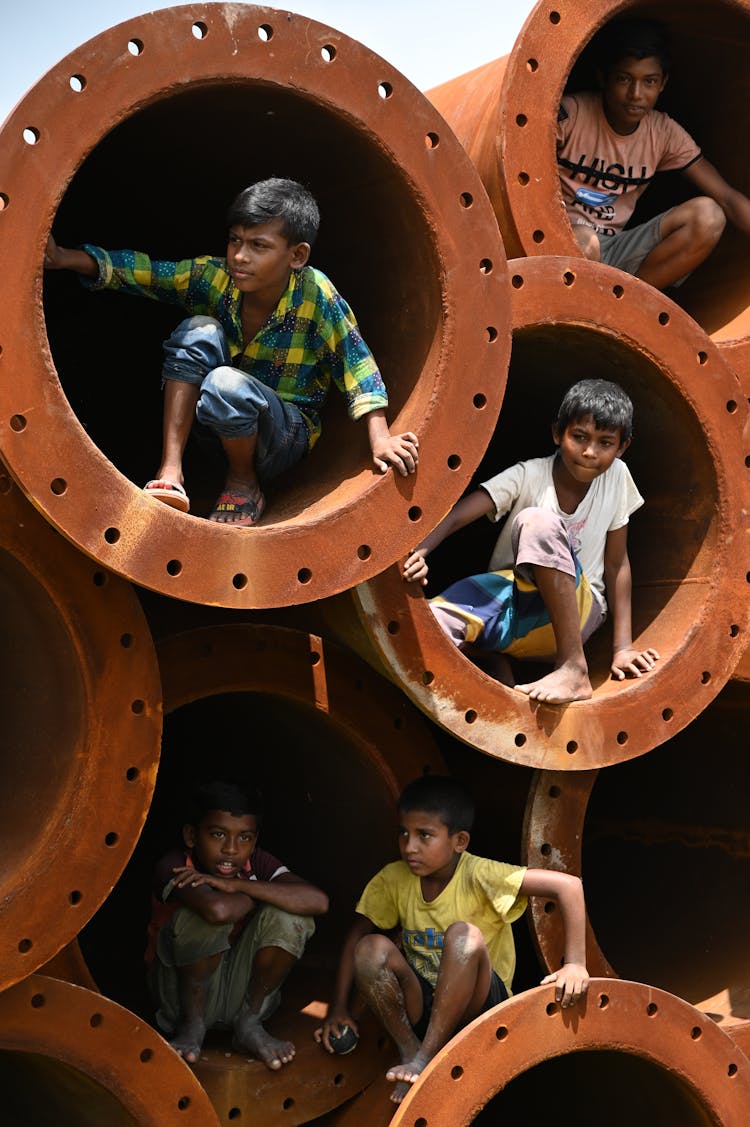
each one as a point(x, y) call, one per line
point(588, 241)
point(707, 218)
point(371, 954)
point(463, 939)
point(536, 521)
point(277, 928)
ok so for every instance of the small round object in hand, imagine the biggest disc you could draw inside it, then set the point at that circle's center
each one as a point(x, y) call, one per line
point(345, 1042)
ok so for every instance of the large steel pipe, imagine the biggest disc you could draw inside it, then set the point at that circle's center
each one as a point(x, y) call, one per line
point(505, 114)
point(330, 744)
point(630, 1047)
point(81, 710)
point(670, 833)
point(408, 235)
point(70, 1057)
point(688, 544)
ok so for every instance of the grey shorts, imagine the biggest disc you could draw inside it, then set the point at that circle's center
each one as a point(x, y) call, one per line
point(628, 249)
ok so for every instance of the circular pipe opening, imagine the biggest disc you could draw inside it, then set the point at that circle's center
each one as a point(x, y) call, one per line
point(676, 540)
point(680, 819)
point(619, 1081)
point(392, 209)
point(72, 784)
point(38, 1089)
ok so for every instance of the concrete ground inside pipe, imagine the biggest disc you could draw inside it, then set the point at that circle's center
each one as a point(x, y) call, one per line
point(671, 539)
point(708, 80)
point(37, 1090)
point(666, 862)
point(41, 702)
point(329, 816)
point(374, 243)
point(595, 1089)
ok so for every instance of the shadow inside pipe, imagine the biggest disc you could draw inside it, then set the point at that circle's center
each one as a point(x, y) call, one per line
point(40, 1090)
point(161, 182)
point(603, 1088)
point(42, 702)
point(709, 80)
point(666, 861)
point(321, 789)
point(671, 538)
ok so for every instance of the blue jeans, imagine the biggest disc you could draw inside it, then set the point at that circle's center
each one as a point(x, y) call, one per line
point(232, 403)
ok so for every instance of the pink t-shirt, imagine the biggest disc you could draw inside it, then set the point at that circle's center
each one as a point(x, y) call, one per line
point(603, 173)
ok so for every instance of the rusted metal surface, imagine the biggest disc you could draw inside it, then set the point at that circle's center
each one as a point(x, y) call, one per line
point(688, 544)
point(408, 235)
point(70, 965)
point(506, 112)
point(81, 707)
point(70, 1056)
point(685, 1069)
point(330, 744)
point(646, 836)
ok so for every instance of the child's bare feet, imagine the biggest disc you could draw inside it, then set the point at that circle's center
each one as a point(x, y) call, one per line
point(249, 1034)
point(561, 686)
point(188, 1040)
point(404, 1075)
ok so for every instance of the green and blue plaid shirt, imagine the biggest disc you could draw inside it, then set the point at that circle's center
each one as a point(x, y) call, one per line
point(310, 338)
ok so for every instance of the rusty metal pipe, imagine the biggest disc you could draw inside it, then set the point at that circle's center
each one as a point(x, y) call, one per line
point(661, 827)
point(408, 235)
point(330, 744)
point(630, 1047)
point(506, 111)
point(74, 1058)
point(688, 545)
point(81, 710)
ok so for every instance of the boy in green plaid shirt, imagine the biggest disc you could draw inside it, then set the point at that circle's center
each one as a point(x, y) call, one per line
point(254, 360)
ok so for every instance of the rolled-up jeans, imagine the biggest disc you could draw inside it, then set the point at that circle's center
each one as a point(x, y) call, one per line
point(232, 403)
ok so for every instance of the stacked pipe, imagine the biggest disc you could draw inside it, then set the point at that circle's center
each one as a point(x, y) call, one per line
point(141, 638)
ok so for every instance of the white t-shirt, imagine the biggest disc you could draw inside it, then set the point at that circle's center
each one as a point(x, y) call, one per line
point(610, 500)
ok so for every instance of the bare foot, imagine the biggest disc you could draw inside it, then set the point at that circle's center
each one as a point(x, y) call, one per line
point(249, 1034)
point(404, 1075)
point(561, 686)
point(188, 1040)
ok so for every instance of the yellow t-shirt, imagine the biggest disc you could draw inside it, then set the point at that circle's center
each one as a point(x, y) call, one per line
point(482, 892)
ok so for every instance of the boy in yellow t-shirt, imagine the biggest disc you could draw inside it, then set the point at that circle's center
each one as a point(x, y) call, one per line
point(455, 954)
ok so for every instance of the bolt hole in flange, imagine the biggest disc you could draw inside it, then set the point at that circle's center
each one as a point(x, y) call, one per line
point(329, 143)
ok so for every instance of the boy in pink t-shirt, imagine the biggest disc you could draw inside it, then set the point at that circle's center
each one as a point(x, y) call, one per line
point(611, 143)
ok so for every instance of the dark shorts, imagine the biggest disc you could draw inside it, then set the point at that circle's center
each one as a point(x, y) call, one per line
point(495, 995)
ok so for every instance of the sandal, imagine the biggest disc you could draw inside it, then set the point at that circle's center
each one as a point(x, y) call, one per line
point(241, 504)
point(169, 493)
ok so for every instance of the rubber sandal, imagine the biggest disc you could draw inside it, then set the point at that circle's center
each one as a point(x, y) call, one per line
point(235, 501)
point(169, 493)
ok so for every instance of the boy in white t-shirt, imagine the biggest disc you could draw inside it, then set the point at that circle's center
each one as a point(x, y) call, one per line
point(562, 547)
point(610, 144)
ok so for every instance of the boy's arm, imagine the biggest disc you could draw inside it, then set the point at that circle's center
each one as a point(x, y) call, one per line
point(227, 899)
point(626, 660)
point(709, 181)
point(290, 893)
point(397, 450)
point(572, 980)
point(338, 1011)
point(470, 508)
point(65, 258)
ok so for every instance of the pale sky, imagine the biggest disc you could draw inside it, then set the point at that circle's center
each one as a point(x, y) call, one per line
point(429, 41)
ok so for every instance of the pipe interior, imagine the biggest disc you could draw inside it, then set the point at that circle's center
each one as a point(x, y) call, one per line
point(42, 701)
point(374, 242)
point(671, 538)
point(330, 817)
point(708, 84)
point(38, 1089)
point(607, 1089)
point(666, 859)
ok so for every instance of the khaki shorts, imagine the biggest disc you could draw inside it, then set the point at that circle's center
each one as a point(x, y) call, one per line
point(187, 938)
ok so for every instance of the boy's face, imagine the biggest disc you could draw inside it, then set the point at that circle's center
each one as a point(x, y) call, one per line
point(586, 451)
point(426, 845)
point(631, 90)
point(260, 259)
point(222, 842)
